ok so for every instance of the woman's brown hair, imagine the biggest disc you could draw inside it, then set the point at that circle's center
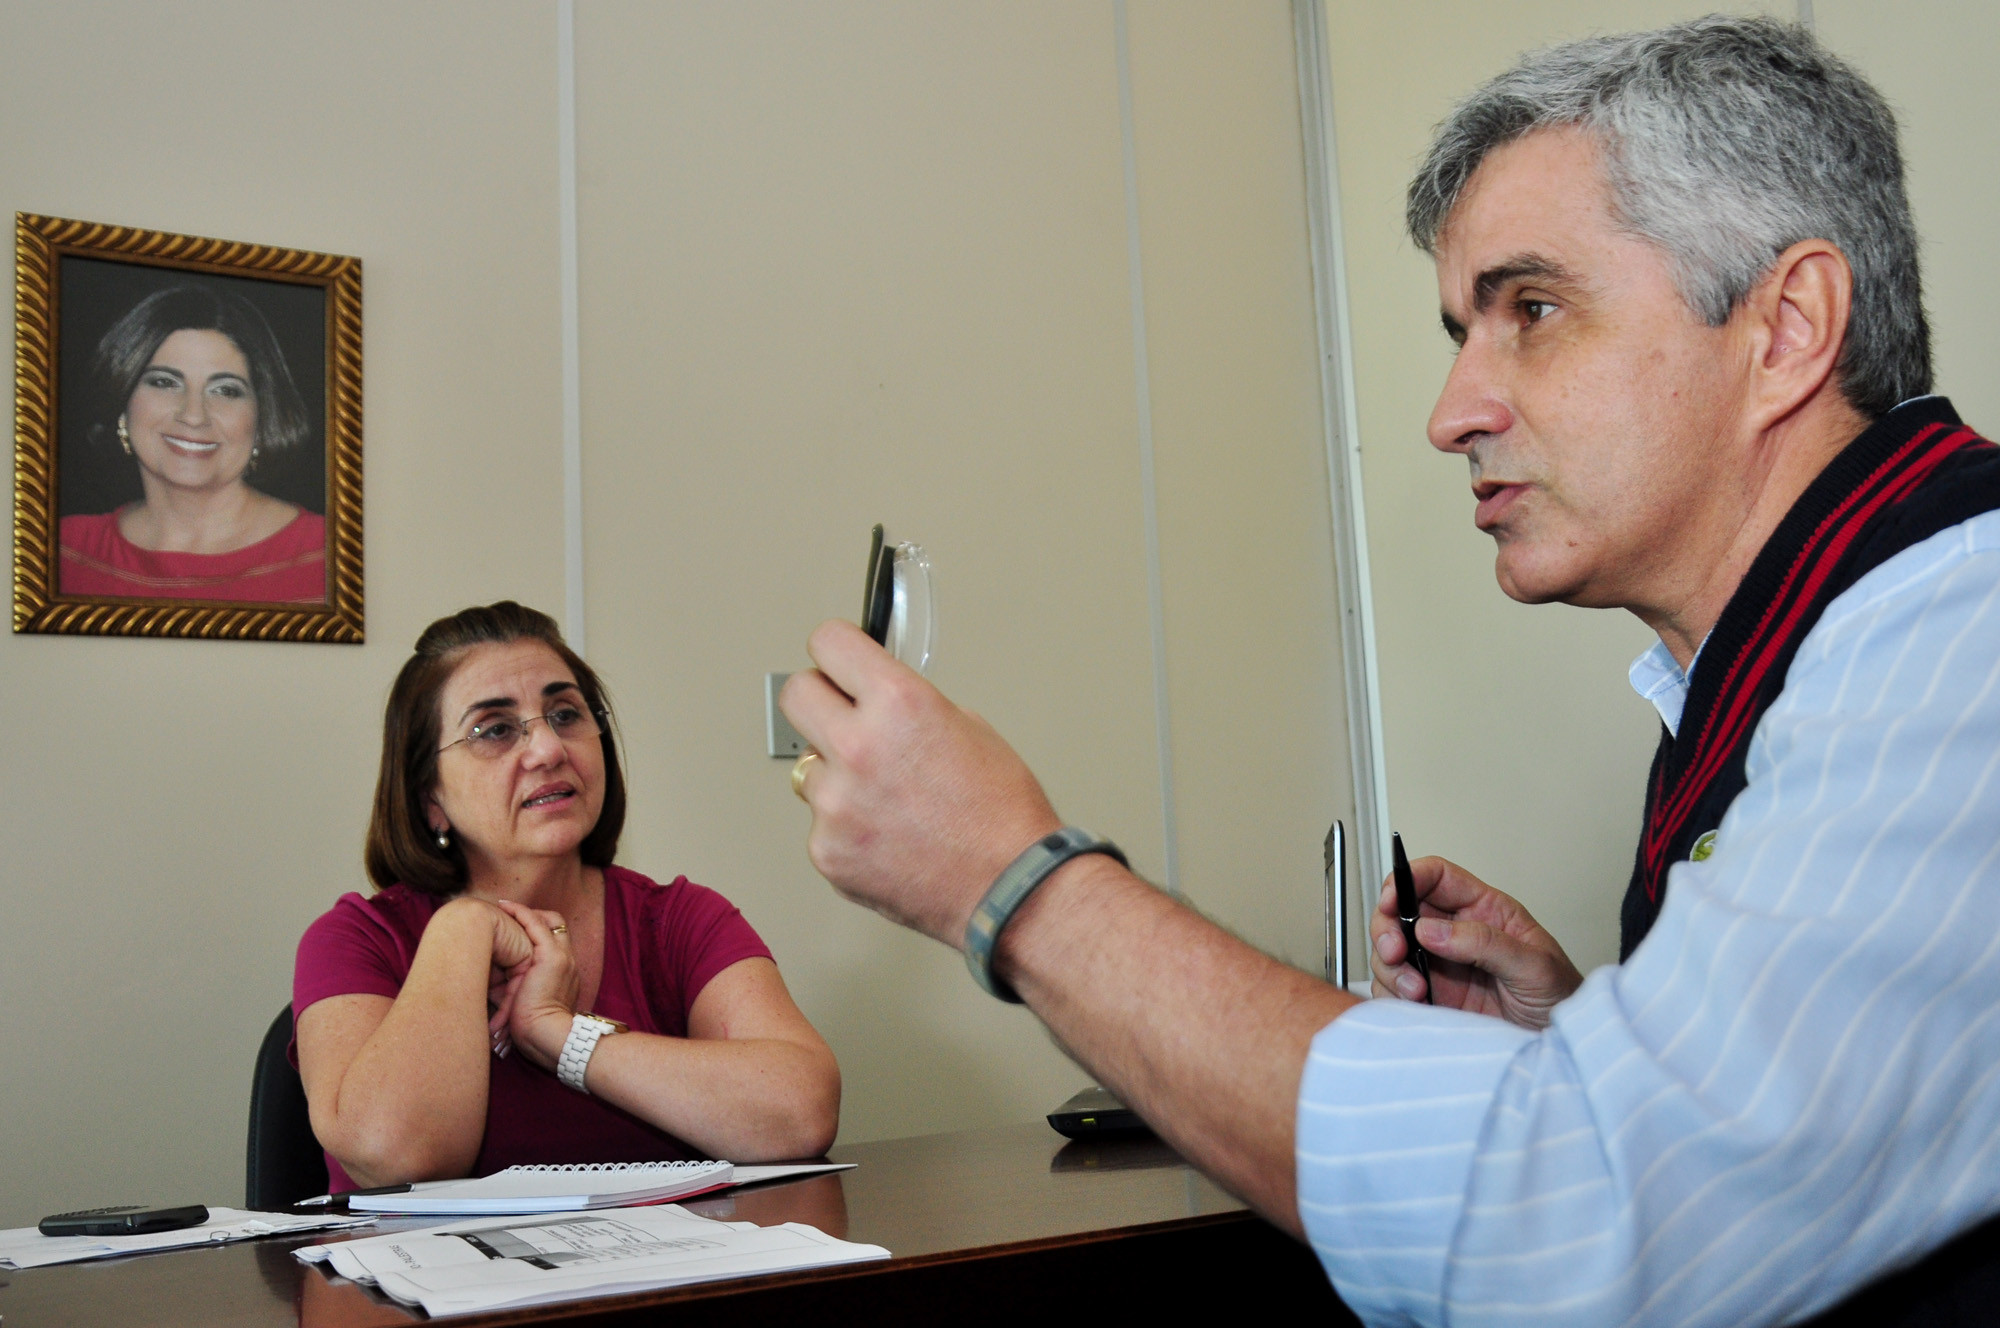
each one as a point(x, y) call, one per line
point(130, 344)
point(401, 845)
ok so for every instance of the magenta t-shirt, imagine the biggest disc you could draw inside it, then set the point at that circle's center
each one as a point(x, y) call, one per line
point(662, 944)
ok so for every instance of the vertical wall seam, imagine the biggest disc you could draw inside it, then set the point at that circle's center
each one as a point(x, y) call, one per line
point(1340, 423)
point(1149, 495)
point(572, 375)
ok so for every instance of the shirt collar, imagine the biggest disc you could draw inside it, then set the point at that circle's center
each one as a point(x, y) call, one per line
point(1656, 677)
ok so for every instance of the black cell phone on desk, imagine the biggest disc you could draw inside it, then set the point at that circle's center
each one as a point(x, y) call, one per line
point(1096, 1114)
point(122, 1220)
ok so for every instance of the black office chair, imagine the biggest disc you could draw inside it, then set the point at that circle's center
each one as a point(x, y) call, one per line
point(284, 1162)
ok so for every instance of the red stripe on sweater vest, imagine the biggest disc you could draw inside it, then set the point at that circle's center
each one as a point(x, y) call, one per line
point(1893, 480)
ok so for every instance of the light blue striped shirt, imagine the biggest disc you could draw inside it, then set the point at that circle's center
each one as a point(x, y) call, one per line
point(1791, 1087)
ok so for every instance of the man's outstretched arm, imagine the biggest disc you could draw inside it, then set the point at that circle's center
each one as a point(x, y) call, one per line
point(1203, 1035)
point(918, 806)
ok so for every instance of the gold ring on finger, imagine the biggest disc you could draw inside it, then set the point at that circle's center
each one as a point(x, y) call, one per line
point(799, 773)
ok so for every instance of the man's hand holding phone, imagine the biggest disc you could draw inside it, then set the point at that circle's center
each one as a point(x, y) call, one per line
point(917, 804)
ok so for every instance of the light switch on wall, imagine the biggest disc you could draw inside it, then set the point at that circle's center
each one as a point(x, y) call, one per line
point(780, 738)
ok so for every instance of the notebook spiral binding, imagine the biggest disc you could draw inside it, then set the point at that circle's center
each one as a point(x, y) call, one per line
point(605, 1166)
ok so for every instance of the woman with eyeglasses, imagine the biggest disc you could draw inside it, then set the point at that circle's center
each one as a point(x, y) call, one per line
point(510, 994)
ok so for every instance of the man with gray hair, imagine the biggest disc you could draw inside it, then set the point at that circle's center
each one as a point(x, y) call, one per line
point(1692, 382)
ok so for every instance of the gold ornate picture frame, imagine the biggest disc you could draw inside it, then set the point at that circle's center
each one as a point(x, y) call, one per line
point(187, 436)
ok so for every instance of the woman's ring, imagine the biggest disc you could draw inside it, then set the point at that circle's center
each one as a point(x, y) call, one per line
point(799, 773)
point(560, 929)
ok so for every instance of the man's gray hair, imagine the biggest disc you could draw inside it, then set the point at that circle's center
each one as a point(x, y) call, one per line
point(1725, 141)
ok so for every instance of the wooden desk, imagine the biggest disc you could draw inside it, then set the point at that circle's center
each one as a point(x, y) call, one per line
point(988, 1226)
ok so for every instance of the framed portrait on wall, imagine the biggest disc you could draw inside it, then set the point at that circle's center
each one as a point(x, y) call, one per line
point(187, 436)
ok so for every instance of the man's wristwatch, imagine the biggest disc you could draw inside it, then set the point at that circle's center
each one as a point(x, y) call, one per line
point(585, 1031)
point(1011, 889)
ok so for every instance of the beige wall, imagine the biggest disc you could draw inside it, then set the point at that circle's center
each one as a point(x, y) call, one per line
point(1253, 647)
point(839, 264)
point(1935, 64)
point(806, 309)
point(1513, 743)
point(173, 814)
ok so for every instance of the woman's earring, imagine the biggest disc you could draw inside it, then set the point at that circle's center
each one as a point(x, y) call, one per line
point(125, 436)
point(255, 452)
point(444, 839)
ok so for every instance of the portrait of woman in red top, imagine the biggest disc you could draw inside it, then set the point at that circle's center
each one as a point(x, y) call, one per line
point(192, 391)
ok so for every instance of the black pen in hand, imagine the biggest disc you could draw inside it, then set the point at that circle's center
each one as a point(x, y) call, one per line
point(1406, 913)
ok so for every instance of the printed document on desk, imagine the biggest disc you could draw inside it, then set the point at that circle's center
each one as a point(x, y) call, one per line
point(468, 1266)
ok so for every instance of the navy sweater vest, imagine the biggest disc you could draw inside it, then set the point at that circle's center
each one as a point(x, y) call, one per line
point(1914, 472)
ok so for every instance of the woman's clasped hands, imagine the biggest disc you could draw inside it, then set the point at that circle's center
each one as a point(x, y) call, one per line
point(533, 987)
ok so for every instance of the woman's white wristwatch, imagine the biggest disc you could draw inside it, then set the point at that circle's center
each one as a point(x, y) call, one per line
point(585, 1031)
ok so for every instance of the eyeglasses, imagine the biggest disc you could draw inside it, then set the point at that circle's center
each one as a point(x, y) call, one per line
point(497, 737)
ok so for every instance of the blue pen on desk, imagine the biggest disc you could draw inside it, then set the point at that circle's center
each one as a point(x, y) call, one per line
point(1406, 913)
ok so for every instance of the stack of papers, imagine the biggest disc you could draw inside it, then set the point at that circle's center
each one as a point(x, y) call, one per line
point(467, 1266)
point(571, 1188)
point(553, 1188)
point(26, 1247)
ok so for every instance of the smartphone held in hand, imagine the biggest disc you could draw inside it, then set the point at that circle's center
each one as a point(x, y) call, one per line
point(896, 606)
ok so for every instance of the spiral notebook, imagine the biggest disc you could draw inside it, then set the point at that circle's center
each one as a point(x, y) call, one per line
point(553, 1189)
